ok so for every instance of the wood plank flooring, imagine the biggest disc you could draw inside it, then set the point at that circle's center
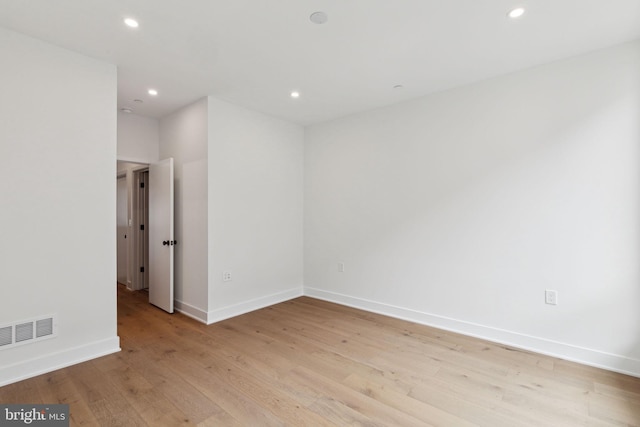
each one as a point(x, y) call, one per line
point(307, 362)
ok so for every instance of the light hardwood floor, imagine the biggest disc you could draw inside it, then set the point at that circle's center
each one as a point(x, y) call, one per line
point(307, 362)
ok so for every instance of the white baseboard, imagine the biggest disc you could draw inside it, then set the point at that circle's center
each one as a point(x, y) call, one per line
point(51, 362)
point(251, 305)
point(191, 311)
point(585, 356)
point(612, 362)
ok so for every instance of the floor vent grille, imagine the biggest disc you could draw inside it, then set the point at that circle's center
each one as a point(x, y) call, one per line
point(27, 331)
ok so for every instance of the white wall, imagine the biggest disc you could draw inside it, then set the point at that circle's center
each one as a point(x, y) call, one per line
point(459, 209)
point(138, 138)
point(57, 223)
point(255, 209)
point(183, 136)
point(456, 210)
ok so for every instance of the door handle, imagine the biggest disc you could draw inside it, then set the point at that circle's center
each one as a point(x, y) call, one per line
point(165, 243)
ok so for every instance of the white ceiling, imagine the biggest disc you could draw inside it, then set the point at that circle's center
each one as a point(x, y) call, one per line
point(255, 52)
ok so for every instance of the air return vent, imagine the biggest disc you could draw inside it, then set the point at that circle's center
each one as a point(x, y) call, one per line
point(24, 331)
point(27, 331)
point(44, 327)
point(6, 336)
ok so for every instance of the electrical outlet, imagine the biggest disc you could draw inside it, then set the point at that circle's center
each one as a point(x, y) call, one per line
point(226, 276)
point(551, 297)
point(341, 267)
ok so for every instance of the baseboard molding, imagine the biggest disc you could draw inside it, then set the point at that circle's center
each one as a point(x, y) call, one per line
point(62, 359)
point(191, 311)
point(612, 362)
point(585, 356)
point(251, 305)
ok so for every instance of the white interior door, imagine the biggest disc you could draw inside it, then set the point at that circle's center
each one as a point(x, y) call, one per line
point(161, 239)
point(122, 228)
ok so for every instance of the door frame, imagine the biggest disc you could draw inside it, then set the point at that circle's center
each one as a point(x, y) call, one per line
point(122, 259)
point(139, 230)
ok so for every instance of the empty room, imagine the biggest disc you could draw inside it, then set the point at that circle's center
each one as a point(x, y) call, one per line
point(308, 213)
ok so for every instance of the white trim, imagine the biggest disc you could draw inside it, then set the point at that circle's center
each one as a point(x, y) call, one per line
point(612, 362)
point(585, 356)
point(54, 361)
point(190, 311)
point(141, 162)
point(251, 305)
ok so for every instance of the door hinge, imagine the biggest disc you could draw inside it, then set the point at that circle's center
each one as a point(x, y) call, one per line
point(141, 269)
point(142, 185)
point(141, 227)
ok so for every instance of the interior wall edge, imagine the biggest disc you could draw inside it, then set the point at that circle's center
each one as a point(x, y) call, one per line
point(191, 311)
point(254, 304)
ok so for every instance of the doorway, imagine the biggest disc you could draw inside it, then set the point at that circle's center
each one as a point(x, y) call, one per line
point(149, 196)
point(132, 225)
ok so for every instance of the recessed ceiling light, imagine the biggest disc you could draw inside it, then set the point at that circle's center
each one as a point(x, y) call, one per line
point(319, 17)
point(131, 22)
point(126, 110)
point(516, 13)
point(295, 94)
point(152, 92)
